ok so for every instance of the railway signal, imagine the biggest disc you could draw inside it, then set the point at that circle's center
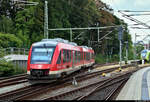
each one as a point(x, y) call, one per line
point(126, 42)
point(120, 33)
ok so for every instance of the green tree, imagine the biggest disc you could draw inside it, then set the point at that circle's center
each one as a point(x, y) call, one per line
point(9, 40)
point(29, 24)
point(6, 25)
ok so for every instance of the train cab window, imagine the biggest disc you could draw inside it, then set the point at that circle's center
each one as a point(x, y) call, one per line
point(41, 55)
point(59, 58)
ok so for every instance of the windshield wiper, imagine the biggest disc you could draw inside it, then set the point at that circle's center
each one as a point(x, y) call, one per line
point(45, 48)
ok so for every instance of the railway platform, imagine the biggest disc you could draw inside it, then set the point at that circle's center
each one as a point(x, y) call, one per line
point(137, 87)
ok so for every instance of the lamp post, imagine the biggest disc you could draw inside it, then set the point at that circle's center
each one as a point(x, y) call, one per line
point(46, 20)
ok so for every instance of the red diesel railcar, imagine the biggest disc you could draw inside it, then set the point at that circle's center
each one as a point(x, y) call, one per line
point(54, 58)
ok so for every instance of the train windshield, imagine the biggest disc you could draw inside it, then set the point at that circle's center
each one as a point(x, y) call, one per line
point(41, 55)
point(144, 51)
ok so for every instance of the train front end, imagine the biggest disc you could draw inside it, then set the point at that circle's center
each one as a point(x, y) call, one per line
point(145, 55)
point(40, 64)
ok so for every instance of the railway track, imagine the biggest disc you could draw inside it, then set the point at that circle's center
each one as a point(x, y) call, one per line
point(5, 78)
point(24, 92)
point(21, 78)
point(18, 93)
point(115, 91)
point(31, 92)
point(79, 93)
point(49, 90)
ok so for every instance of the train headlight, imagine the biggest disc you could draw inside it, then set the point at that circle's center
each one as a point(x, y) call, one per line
point(28, 72)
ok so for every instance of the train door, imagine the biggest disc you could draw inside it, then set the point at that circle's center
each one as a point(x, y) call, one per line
point(59, 61)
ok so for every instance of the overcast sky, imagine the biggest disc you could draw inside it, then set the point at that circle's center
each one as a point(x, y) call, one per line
point(134, 5)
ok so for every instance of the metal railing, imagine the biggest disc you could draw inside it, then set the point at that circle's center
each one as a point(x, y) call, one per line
point(14, 50)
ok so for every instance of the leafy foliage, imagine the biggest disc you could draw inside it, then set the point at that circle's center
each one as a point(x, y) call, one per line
point(9, 40)
point(27, 24)
point(6, 24)
point(8, 69)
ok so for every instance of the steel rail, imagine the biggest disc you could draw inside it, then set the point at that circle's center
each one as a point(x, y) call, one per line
point(67, 82)
point(95, 86)
point(13, 80)
point(100, 87)
point(113, 91)
point(45, 88)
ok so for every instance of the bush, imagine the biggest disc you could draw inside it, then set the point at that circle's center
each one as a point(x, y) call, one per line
point(100, 58)
point(8, 69)
point(104, 58)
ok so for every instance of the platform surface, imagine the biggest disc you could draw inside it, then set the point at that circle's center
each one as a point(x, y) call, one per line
point(137, 87)
point(16, 57)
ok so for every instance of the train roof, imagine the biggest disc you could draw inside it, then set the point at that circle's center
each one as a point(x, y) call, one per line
point(145, 50)
point(46, 43)
point(53, 42)
point(86, 47)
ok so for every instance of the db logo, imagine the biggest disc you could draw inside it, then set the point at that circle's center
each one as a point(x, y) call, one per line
point(39, 66)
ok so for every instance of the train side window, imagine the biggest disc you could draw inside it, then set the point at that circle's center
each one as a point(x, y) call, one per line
point(89, 56)
point(59, 58)
point(81, 56)
point(64, 56)
point(92, 55)
point(74, 60)
point(76, 56)
point(67, 55)
point(84, 55)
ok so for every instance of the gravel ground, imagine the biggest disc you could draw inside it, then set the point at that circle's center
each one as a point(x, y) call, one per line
point(101, 94)
point(13, 87)
point(71, 87)
point(67, 88)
